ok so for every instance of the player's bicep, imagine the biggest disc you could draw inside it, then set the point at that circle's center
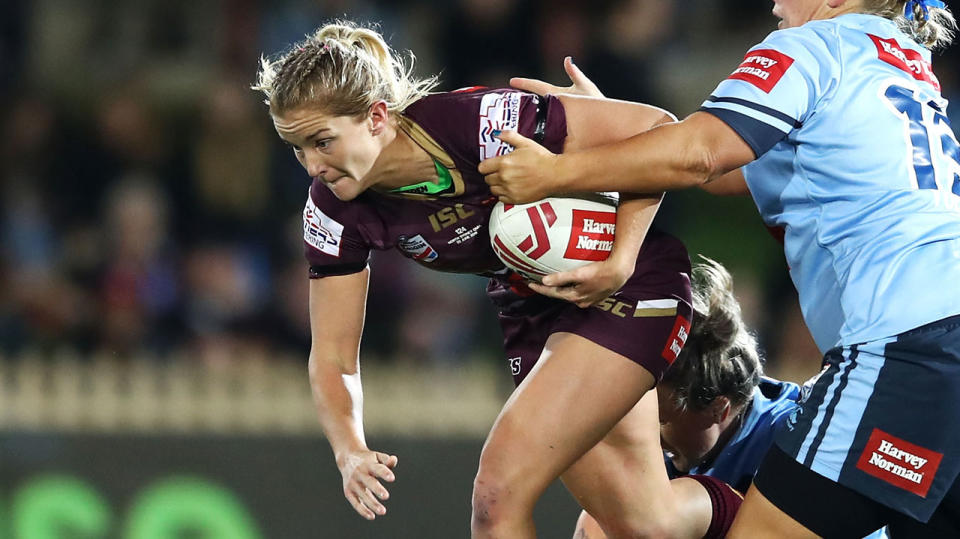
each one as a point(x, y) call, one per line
point(714, 143)
point(595, 121)
point(337, 307)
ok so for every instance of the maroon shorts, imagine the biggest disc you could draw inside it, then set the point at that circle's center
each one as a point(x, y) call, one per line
point(646, 321)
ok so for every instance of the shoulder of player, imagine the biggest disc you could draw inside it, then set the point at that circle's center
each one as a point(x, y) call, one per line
point(464, 97)
point(775, 398)
point(815, 39)
point(320, 197)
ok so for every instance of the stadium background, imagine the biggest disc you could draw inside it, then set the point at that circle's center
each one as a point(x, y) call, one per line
point(153, 322)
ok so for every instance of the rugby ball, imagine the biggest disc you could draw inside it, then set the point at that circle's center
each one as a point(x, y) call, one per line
point(554, 234)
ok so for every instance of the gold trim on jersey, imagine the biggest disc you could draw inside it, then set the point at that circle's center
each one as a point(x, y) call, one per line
point(425, 141)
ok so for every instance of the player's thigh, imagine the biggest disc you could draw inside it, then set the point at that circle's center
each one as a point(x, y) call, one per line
point(588, 528)
point(758, 518)
point(574, 395)
point(623, 483)
point(624, 473)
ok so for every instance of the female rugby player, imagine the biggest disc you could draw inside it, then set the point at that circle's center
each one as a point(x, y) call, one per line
point(394, 166)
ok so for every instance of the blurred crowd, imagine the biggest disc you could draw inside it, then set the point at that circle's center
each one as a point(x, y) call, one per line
point(148, 208)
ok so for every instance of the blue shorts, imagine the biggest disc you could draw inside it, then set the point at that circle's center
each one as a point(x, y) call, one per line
point(883, 419)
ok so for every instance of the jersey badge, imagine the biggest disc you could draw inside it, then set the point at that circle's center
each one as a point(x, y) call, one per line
point(320, 231)
point(907, 60)
point(678, 337)
point(899, 462)
point(417, 248)
point(763, 68)
point(498, 112)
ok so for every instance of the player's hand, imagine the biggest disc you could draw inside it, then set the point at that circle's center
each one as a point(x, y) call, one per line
point(527, 174)
point(582, 85)
point(587, 285)
point(362, 473)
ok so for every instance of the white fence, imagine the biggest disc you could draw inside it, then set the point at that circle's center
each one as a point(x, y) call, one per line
point(104, 394)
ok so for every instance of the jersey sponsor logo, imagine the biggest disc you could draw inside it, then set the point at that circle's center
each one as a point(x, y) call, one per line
point(591, 237)
point(498, 112)
point(321, 231)
point(417, 248)
point(762, 68)
point(678, 337)
point(899, 462)
point(907, 60)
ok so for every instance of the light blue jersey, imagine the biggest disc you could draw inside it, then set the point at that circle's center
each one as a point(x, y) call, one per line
point(859, 165)
point(737, 463)
point(772, 403)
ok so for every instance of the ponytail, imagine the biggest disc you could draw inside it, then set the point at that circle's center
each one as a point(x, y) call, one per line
point(342, 69)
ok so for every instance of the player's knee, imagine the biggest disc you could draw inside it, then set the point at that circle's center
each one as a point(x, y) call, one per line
point(490, 503)
point(498, 496)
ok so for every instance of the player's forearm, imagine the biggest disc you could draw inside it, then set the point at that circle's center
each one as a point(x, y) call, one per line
point(338, 397)
point(634, 217)
point(665, 158)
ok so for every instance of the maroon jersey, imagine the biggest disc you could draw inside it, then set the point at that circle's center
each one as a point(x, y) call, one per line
point(447, 231)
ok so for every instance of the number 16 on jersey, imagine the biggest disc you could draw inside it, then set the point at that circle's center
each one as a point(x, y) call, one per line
point(929, 131)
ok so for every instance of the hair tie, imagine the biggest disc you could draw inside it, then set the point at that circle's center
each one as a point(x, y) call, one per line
point(925, 5)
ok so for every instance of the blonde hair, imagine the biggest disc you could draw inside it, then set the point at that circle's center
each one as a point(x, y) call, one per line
point(343, 69)
point(934, 30)
point(720, 357)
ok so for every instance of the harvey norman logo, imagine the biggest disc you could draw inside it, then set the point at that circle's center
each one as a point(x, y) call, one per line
point(591, 235)
point(900, 463)
point(762, 68)
point(907, 60)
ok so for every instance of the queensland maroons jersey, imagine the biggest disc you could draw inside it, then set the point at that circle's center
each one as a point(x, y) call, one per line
point(443, 226)
point(737, 463)
point(859, 165)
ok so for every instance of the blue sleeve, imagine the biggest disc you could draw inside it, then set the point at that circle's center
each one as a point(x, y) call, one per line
point(777, 86)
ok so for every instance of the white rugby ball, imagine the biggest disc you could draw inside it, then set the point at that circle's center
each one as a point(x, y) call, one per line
point(554, 234)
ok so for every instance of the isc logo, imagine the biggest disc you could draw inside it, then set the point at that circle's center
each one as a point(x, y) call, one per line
point(448, 216)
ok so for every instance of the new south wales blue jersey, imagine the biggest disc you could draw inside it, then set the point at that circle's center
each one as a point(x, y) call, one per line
point(858, 163)
point(738, 462)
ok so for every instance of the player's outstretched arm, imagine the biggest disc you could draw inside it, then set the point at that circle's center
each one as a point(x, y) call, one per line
point(671, 156)
point(337, 306)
